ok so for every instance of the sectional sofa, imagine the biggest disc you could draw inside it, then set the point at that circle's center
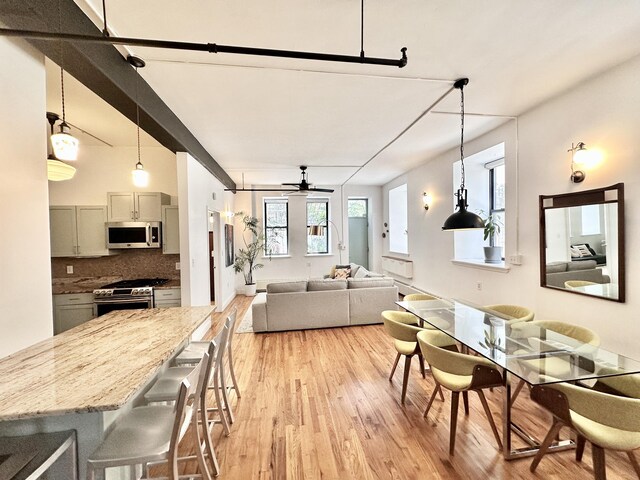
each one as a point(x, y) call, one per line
point(323, 303)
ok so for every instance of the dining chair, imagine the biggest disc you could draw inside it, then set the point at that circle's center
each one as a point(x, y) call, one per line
point(402, 328)
point(516, 312)
point(577, 283)
point(607, 421)
point(418, 297)
point(152, 433)
point(553, 366)
point(458, 372)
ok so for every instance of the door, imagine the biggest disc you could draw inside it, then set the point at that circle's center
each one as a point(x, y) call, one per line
point(63, 231)
point(120, 206)
point(92, 239)
point(358, 231)
point(212, 266)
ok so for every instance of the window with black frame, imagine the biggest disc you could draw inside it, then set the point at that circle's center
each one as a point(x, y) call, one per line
point(276, 226)
point(317, 225)
point(497, 203)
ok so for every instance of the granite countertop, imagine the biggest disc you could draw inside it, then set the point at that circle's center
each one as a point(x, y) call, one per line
point(97, 366)
point(89, 284)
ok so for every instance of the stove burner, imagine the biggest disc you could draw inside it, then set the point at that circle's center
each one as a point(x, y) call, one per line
point(137, 283)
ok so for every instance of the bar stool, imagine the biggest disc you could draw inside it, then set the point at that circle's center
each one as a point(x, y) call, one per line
point(152, 433)
point(192, 353)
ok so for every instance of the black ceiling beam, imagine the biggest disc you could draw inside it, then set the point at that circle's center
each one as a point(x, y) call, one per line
point(102, 69)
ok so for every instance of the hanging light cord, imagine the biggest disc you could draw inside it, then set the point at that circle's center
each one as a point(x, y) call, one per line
point(105, 30)
point(462, 138)
point(61, 62)
point(138, 117)
point(362, 28)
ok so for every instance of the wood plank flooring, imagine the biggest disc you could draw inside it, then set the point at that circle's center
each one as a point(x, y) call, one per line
point(318, 404)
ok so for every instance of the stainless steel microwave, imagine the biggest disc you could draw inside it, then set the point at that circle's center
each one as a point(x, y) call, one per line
point(134, 234)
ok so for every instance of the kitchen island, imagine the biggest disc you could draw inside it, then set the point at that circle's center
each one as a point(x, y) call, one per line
point(86, 377)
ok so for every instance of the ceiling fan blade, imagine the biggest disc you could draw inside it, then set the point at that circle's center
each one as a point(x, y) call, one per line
point(291, 184)
point(255, 190)
point(315, 189)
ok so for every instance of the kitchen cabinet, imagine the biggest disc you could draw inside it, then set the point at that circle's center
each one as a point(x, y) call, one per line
point(136, 206)
point(167, 297)
point(71, 310)
point(78, 231)
point(170, 229)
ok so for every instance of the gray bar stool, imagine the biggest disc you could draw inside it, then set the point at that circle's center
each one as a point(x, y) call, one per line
point(151, 434)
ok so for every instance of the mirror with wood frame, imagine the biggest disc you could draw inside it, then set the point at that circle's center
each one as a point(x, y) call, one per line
point(582, 242)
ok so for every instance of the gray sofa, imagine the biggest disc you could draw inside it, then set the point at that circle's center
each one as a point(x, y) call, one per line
point(559, 272)
point(323, 303)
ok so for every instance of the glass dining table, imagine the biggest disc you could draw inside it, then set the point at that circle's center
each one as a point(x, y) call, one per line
point(522, 350)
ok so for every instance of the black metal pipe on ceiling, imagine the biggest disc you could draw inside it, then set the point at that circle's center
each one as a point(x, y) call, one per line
point(205, 47)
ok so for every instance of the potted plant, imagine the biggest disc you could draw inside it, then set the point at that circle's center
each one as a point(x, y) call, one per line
point(246, 258)
point(492, 225)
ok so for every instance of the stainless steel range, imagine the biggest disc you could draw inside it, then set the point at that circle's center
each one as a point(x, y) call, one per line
point(125, 295)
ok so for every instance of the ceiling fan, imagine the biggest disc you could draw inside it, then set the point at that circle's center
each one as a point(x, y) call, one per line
point(303, 187)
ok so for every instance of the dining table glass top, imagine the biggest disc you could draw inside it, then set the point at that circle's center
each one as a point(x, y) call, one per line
point(529, 351)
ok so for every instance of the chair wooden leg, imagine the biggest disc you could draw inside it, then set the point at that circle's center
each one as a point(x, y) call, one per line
point(599, 467)
point(208, 442)
point(202, 465)
point(548, 439)
point(225, 391)
point(233, 373)
point(439, 388)
point(580, 441)
point(219, 403)
point(487, 412)
point(393, 369)
point(455, 400)
point(405, 378)
point(422, 371)
point(431, 399)
point(634, 463)
point(517, 392)
point(465, 401)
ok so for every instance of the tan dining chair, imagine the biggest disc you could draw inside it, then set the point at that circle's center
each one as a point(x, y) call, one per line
point(402, 328)
point(459, 373)
point(554, 366)
point(607, 421)
point(418, 297)
point(577, 283)
point(516, 312)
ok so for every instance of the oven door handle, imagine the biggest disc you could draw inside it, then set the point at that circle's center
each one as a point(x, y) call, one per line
point(148, 234)
point(122, 300)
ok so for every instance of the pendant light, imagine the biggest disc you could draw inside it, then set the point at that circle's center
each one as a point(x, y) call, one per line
point(57, 171)
point(462, 219)
point(139, 175)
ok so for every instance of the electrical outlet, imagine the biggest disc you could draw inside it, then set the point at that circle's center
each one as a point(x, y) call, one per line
point(69, 269)
point(478, 285)
point(177, 265)
point(515, 259)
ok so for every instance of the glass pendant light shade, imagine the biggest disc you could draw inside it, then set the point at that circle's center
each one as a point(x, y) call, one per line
point(140, 176)
point(58, 171)
point(65, 146)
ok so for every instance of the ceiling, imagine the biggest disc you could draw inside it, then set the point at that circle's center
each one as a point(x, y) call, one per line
point(262, 117)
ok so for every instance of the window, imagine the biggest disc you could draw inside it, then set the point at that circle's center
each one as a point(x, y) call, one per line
point(357, 208)
point(398, 238)
point(497, 202)
point(276, 226)
point(317, 216)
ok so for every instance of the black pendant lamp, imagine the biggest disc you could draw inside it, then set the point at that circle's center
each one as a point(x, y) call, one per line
point(462, 219)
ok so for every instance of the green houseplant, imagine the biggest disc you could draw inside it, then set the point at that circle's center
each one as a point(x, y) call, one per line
point(492, 226)
point(246, 258)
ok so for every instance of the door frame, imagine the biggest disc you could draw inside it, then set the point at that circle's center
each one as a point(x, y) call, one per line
point(217, 242)
point(368, 217)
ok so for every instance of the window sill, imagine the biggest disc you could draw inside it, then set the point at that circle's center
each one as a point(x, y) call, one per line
point(320, 254)
point(495, 267)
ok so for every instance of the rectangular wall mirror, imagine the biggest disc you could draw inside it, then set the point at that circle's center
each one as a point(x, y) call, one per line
point(582, 242)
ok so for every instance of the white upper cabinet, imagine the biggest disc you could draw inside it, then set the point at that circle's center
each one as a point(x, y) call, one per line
point(78, 231)
point(136, 206)
point(170, 229)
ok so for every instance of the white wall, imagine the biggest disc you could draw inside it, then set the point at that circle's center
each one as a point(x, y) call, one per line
point(102, 169)
point(25, 268)
point(196, 187)
point(604, 113)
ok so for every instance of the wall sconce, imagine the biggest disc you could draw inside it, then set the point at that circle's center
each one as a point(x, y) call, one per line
point(426, 200)
point(579, 156)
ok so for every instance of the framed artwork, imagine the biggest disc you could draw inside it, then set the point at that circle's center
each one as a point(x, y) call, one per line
point(228, 245)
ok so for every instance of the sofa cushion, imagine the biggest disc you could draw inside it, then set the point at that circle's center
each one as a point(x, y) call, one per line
point(287, 287)
point(583, 265)
point(556, 267)
point(370, 282)
point(354, 269)
point(326, 284)
point(360, 273)
point(332, 272)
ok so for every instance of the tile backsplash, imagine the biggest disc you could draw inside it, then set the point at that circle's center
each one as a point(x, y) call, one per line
point(128, 264)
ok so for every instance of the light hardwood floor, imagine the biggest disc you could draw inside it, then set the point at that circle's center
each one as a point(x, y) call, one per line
point(318, 404)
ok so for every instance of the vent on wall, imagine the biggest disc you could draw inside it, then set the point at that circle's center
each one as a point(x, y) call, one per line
point(397, 266)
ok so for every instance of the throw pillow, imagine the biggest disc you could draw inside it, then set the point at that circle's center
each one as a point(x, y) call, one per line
point(336, 267)
point(575, 253)
point(361, 273)
point(583, 249)
point(342, 272)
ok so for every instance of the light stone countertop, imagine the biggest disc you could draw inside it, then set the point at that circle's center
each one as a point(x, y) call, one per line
point(97, 366)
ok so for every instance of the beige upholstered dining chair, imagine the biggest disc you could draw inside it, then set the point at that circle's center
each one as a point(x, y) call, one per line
point(516, 312)
point(554, 366)
point(418, 297)
point(577, 283)
point(401, 326)
point(458, 372)
point(607, 421)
